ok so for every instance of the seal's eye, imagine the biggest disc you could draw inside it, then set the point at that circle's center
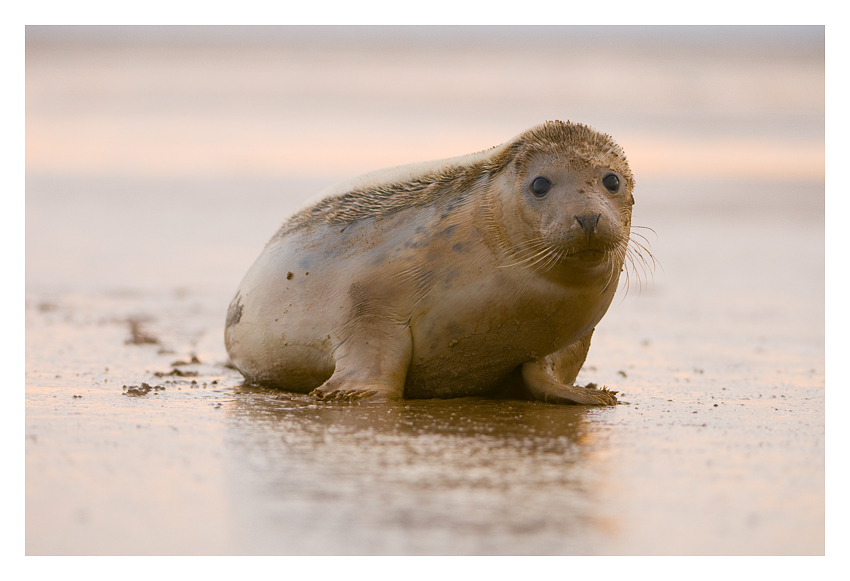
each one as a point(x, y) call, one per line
point(540, 186)
point(611, 183)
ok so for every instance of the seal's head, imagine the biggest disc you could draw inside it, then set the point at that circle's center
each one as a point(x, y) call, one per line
point(568, 191)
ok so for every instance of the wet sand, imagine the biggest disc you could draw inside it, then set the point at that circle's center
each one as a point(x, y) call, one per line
point(719, 450)
point(719, 356)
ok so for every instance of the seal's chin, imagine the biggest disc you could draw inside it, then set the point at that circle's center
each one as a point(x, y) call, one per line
point(586, 254)
point(585, 257)
point(588, 263)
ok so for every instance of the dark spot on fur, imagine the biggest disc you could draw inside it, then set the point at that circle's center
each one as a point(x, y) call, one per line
point(458, 247)
point(289, 276)
point(448, 231)
point(452, 205)
point(234, 312)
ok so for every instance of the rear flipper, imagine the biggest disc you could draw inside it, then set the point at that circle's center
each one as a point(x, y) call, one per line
point(551, 378)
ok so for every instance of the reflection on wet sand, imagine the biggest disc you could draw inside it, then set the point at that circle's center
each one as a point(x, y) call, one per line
point(413, 476)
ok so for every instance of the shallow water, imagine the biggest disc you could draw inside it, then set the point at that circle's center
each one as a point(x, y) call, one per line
point(719, 356)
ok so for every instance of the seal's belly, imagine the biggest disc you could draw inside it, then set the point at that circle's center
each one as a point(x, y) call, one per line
point(470, 329)
point(470, 340)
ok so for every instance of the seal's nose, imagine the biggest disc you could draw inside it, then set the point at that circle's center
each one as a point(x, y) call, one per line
point(588, 222)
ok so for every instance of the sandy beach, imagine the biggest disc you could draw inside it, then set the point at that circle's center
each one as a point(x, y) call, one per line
point(159, 164)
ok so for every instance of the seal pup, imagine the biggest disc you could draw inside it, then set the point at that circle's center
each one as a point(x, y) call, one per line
point(444, 279)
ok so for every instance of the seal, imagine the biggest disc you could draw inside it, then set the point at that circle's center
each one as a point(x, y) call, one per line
point(444, 279)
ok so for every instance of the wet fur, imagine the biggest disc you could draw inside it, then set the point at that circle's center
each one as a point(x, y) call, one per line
point(360, 229)
point(563, 139)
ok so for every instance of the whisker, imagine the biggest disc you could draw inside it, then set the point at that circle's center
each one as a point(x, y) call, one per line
point(633, 255)
point(555, 256)
point(646, 228)
point(638, 258)
point(533, 248)
point(615, 265)
point(634, 268)
point(642, 253)
point(638, 234)
point(535, 259)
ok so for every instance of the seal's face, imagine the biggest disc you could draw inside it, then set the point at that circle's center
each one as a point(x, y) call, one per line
point(574, 214)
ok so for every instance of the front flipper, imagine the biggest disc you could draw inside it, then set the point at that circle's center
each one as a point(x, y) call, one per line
point(371, 364)
point(551, 378)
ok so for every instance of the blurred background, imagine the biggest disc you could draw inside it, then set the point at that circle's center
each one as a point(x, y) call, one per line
point(333, 101)
point(137, 133)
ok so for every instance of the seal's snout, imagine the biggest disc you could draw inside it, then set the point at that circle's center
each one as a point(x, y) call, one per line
point(588, 222)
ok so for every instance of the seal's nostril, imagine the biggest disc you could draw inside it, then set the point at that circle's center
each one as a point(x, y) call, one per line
point(588, 222)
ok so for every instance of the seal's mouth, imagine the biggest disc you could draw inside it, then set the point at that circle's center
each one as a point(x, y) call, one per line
point(541, 255)
point(585, 255)
point(587, 259)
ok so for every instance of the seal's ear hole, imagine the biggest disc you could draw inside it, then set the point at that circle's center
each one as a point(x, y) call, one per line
point(540, 186)
point(611, 183)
